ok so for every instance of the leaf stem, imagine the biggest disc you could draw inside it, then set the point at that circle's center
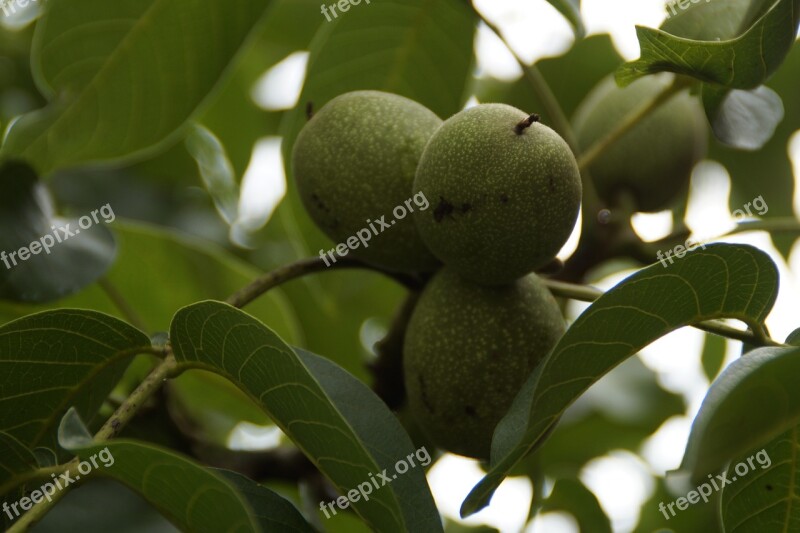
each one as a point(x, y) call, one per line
point(301, 268)
point(585, 293)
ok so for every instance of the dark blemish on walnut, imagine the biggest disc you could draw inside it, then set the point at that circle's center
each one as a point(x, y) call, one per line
point(442, 210)
point(425, 400)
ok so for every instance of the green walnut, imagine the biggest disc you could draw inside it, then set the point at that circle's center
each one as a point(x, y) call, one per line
point(354, 163)
point(468, 350)
point(652, 162)
point(505, 192)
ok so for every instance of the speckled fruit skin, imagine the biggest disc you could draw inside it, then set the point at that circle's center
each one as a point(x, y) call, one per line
point(468, 350)
point(355, 160)
point(653, 161)
point(503, 203)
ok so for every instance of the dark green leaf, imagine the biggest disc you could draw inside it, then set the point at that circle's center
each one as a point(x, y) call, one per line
point(607, 419)
point(55, 360)
point(113, 103)
point(192, 497)
point(572, 496)
point(16, 461)
point(713, 21)
point(68, 257)
point(713, 356)
point(159, 271)
point(721, 281)
point(762, 495)
point(103, 505)
point(657, 516)
point(272, 511)
point(211, 407)
point(415, 48)
point(338, 423)
point(755, 399)
point(741, 63)
point(777, 183)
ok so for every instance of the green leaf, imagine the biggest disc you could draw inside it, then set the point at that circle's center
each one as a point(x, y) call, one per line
point(273, 512)
point(713, 356)
point(339, 424)
point(55, 360)
point(571, 9)
point(699, 518)
point(745, 120)
point(755, 399)
point(233, 116)
point(16, 462)
point(572, 496)
point(192, 497)
point(721, 281)
point(772, 161)
point(713, 21)
point(103, 505)
point(605, 419)
point(211, 407)
point(123, 85)
point(741, 63)
point(419, 49)
point(67, 258)
point(160, 270)
point(216, 171)
point(765, 498)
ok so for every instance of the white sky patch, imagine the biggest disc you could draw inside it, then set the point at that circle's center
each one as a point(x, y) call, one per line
point(263, 184)
point(247, 436)
point(279, 87)
point(572, 243)
point(620, 17)
point(652, 226)
point(794, 154)
point(534, 29)
point(451, 479)
point(622, 483)
point(553, 523)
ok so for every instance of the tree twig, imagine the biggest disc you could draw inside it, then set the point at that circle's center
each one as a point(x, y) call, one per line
point(304, 267)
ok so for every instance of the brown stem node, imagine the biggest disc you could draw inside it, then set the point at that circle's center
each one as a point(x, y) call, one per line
point(526, 123)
